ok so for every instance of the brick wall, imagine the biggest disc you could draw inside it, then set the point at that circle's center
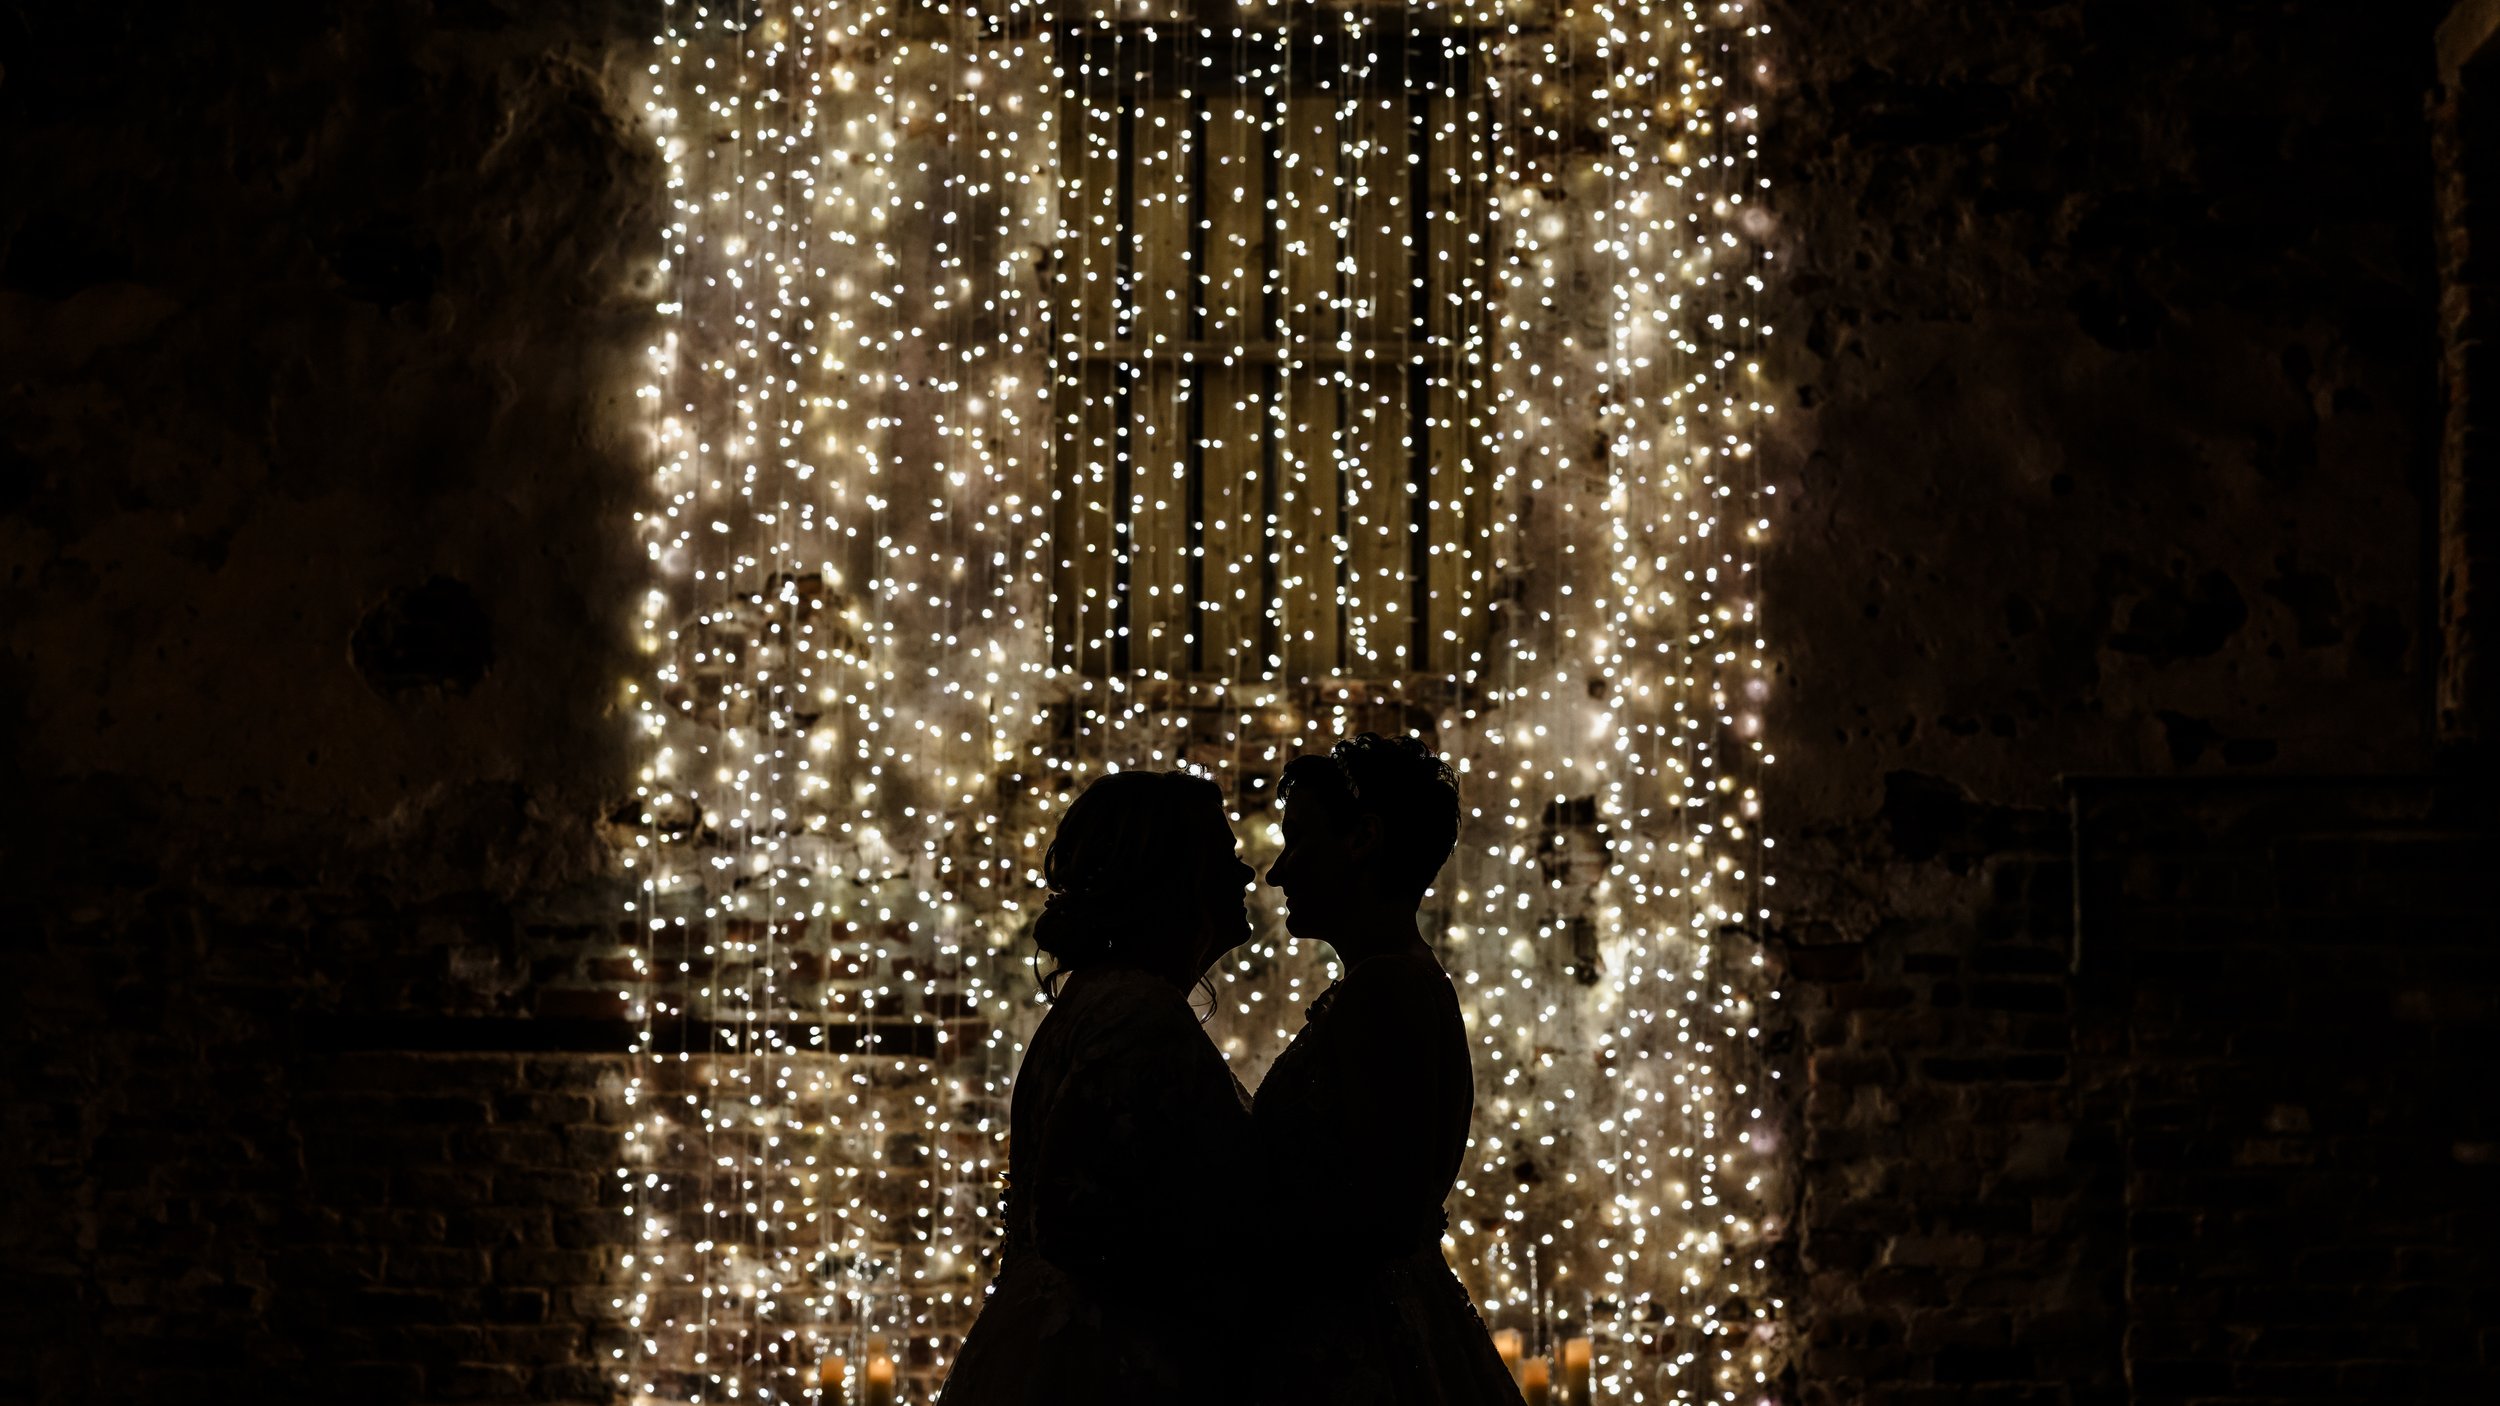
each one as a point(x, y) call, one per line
point(1961, 1231)
point(2236, 1145)
point(2303, 1007)
point(238, 1181)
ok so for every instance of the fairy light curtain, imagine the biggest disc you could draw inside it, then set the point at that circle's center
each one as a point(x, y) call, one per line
point(1048, 388)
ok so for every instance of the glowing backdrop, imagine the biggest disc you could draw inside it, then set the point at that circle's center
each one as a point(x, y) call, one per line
point(1049, 388)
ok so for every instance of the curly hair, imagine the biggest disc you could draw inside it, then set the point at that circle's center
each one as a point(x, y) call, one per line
point(1404, 783)
point(1122, 871)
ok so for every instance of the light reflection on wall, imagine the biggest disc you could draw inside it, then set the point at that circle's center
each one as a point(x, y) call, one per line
point(1050, 389)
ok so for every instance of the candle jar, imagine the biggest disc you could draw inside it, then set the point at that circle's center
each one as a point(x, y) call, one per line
point(1509, 1343)
point(1578, 1359)
point(878, 1387)
point(1536, 1381)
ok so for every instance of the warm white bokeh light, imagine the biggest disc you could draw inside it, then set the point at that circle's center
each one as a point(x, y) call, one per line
point(1051, 388)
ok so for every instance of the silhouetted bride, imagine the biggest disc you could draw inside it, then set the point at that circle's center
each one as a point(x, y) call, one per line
point(1362, 1121)
point(1128, 1136)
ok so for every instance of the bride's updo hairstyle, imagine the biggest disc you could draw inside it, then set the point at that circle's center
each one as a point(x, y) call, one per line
point(1401, 782)
point(1124, 874)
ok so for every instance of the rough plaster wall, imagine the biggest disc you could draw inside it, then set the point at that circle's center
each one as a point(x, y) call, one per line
point(2111, 331)
point(316, 332)
point(2114, 416)
point(303, 314)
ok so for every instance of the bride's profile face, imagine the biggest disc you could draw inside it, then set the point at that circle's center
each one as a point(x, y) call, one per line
point(1225, 888)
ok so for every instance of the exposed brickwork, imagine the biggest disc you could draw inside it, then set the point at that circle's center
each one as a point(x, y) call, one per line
point(1960, 1218)
point(2305, 1007)
point(240, 1198)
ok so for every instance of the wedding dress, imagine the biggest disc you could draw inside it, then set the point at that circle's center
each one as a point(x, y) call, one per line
point(1127, 1154)
point(1361, 1125)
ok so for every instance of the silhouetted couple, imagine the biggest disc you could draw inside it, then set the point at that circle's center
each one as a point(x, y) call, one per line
point(1170, 1238)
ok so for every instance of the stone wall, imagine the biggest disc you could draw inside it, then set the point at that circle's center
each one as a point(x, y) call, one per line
point(2114, 417)
point(2112, 333)
point(316, 330)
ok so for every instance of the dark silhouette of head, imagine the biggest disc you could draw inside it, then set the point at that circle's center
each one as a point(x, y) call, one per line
point(1367, 826)
point(1142, 873)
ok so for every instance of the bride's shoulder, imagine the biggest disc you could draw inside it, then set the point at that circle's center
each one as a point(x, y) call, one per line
point(1127, 986)
point(1123, 1005)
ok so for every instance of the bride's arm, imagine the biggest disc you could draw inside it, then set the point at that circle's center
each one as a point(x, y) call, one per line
point(1145, 1145)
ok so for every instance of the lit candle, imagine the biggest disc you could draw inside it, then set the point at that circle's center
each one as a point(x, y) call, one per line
point(1576, 1356)
point(879, 1388)
point(1508, 1343)
point(829, 1375)
point(1536, 1381)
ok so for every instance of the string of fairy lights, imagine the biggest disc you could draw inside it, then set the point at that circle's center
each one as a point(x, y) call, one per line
point(1052, 388)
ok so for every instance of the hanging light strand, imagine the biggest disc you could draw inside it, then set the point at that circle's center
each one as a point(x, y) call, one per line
point(1048, 389)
